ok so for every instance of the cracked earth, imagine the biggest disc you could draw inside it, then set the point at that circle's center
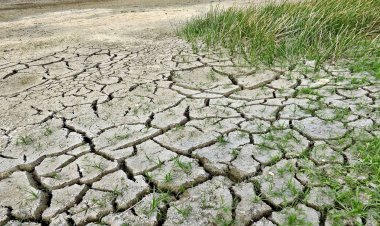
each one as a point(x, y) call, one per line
point(155, 134)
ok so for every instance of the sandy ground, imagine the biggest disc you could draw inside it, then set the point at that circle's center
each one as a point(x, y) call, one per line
point(52, 25)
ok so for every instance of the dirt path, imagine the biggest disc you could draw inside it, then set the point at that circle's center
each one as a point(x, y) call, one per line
point(107, 118)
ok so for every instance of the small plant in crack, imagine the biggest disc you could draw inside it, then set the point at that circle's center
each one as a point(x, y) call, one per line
point(157, 200)
point(147, 157)
point(205, 202)
point(255, 199)
point(309, 109)
point(341, 113)
point(185, 166)
point(168, 177)
point(24, 140)
point(292, 187)
point(116, 192)
point(211, 76)
point(97, 165)
point(160, 163)
point(55, 175)
point(33, 195)
point(179, 127)
point(38, 147)
point(47, 131)
point(293, 219)
point(99, 203)
point(307, 91)
point(235, 152)
point(222, 140)
point(242, 134)
point(220, 220)
point(223, 207)
point(122, 137)
point(184, 211)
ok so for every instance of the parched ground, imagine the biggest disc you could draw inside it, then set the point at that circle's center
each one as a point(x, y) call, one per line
point(99, 130)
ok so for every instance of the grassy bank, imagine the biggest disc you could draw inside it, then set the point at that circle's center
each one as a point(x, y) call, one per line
point(318, 30)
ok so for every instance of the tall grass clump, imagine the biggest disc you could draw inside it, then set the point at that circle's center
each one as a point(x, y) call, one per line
point(318, 30)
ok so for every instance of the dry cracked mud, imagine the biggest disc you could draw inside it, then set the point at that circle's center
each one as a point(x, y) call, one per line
point(152, 133)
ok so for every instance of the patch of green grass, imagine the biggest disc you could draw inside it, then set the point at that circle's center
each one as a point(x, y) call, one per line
point(168, 177)
point(222, 140)
point(308, 91)
point(295, 219)
point(185, 166)
point(367, 64)
point(24, 140)
point(357, 196)
point(184, 211)
point(47, 131)
point(319, 30)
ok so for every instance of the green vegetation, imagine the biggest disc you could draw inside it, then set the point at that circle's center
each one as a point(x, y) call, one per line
point(357, 185)
point(24, 140)
point(319, 30)
point(185, 166)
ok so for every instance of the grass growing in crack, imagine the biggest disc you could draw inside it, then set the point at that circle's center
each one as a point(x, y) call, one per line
point(211, 76)
point(97, 165)
point(318, 30)
point(24, 140)
point(33, 195)
point(185, 166)
point(157, 201)
point(184, 211)
point(235, 152)
point(222, 140)
point(168, 177)
point(358, 196)
point(308, 91)
point(368, 64)
point(294, 219)
point(47, 131)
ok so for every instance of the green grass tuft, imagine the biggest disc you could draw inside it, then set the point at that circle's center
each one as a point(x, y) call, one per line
point(319, 30)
